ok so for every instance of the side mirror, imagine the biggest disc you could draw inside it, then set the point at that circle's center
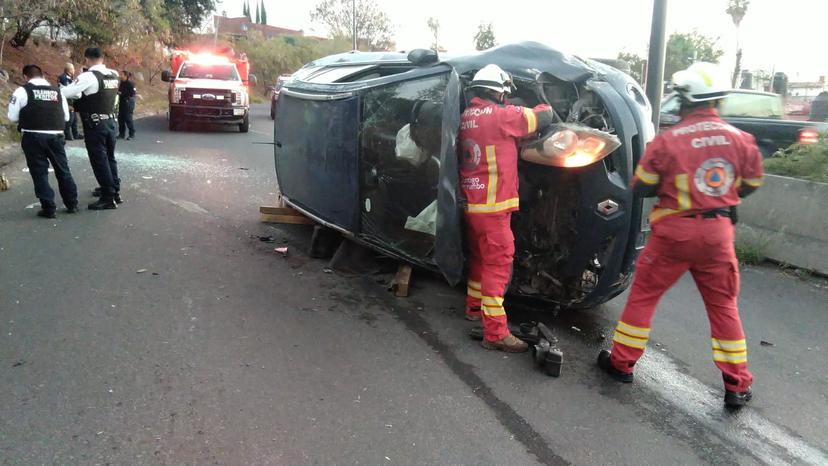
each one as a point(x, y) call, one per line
point(166, 76)
point(423, 57)
point(252, 80)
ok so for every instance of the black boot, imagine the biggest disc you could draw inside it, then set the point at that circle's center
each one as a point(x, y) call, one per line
point(118, 199)
point(72, 208)
point(605, 364)
point(97, 192)
point(104, 203)
point(46, 213)
point(735, 400)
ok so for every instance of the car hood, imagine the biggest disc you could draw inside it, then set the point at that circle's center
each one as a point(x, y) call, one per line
point(209, 84)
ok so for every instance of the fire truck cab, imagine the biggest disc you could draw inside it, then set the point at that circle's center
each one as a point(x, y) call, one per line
point(209, 86)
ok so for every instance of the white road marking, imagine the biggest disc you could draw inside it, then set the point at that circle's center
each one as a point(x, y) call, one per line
point(186, 205)
point(747, 428)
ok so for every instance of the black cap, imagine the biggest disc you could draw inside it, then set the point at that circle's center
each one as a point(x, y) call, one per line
point(93, 52)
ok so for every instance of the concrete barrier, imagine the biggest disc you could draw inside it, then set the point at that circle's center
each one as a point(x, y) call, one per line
point(786, 220)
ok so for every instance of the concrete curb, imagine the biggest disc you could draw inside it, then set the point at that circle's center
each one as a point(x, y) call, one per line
point(785, 220)
point(9, 153)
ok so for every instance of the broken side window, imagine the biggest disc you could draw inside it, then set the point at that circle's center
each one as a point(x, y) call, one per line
point(399, 161)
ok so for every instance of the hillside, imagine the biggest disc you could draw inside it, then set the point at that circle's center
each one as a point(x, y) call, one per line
point(52, 57)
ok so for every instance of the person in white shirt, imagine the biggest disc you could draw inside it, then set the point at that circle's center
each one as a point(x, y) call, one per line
point(41, 113)
point(96, 92)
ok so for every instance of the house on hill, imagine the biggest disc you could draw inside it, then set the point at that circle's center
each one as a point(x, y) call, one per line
point(239, 28)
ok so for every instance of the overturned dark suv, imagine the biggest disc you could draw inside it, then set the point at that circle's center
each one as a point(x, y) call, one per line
point(366, 143)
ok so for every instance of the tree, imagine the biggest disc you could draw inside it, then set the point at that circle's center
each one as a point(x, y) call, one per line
point(485, 38)
point(737, 9)
point(373, 27)
point(434, 26)
point(247, 9)
point(684, 49)
point(264, 13)
point(637, 64)
point(258, 14)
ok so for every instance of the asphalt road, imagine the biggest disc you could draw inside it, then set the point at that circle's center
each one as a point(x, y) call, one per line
point(166, 332)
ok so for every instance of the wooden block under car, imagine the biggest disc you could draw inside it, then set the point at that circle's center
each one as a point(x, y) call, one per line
point(283, 215)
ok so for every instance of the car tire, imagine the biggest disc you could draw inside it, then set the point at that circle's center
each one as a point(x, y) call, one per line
point(272, 112)
point(244, 126)
point(173, 123)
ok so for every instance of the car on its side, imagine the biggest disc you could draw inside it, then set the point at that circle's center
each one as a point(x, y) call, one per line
point(274, 94)
point(366, 144)
point(758, 113)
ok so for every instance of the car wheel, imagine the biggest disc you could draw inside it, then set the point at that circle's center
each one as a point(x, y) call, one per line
point(244, 126)
point(173, 123)
point(272, 112)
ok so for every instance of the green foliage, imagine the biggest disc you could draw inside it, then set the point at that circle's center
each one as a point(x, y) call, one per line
point(750, 253)
point(270, 58)
point(737, 9)
point(684, 49)
point(485, 38)
point(808, 162)
point(246, 9)
point(434, 27)
point(258, 14)
point(373, 26)
point(637, 64)
point(264, 13)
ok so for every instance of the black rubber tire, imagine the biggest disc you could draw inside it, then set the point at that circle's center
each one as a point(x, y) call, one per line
point(244, 126)
point(172, 122)
point(272, 112)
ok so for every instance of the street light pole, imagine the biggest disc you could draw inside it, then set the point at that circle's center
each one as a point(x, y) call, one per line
point(353, 16)
point(655, 62)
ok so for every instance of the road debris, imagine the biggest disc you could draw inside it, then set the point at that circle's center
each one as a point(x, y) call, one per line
point(19, 363)
point(140, 270)
point(267, 239)
point(576, 328)
point(327, 270)
point(4, 182)
point(766, 343)
point(147, 177)
point(156, 274)
point(283, 251)
point(243, 168)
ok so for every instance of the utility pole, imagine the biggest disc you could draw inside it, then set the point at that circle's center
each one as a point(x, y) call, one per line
point(353, 16)
point(655, 62)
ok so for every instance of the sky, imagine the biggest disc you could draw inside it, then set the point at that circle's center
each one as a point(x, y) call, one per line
point(786, 36)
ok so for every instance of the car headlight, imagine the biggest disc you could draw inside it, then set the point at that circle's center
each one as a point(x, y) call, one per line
point(239, 97)
point(177, 91)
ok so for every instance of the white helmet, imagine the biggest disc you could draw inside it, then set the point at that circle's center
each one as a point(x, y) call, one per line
point(701, 82)
point(494, 78)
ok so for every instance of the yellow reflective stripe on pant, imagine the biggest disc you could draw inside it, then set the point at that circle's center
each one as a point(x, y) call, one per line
point(729, 351)
point(474, 293)
point(492, 306)
point(630, 335)
point(474, 285)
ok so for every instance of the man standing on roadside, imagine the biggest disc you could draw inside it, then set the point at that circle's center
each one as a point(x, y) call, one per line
point(126, 106)
point(97, 91)
point(42, 112)
point(71, 130)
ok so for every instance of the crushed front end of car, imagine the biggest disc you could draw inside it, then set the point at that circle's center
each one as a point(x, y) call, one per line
point(366, 143)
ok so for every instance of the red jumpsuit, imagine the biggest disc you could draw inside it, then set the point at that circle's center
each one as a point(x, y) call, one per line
point(698, 166)
point(489, 180)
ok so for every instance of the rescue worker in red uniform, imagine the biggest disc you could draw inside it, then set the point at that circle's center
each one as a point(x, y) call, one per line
point(489, 134)
point(699, 169)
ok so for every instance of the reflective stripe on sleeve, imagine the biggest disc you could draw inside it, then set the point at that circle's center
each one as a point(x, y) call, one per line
point(646, 177)
point(753, 182)
point(531, 119)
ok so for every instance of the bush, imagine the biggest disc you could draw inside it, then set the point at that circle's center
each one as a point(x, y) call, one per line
point(809, 162)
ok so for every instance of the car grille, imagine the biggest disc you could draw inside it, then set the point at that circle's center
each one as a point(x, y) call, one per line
point(208, 97)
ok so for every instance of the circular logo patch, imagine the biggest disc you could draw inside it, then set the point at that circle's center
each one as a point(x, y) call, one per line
point(471, 155)
point(714, 177)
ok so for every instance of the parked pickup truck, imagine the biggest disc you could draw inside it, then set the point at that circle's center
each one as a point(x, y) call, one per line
point(758, 113)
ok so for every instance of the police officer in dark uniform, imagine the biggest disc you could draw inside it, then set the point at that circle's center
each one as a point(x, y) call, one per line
point(97, 92)
point(71, 129)
point(126, 107)
point(41, 112)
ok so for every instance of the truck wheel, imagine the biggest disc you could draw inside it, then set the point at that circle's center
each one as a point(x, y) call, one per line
point(244, 126)
point(173, 123)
